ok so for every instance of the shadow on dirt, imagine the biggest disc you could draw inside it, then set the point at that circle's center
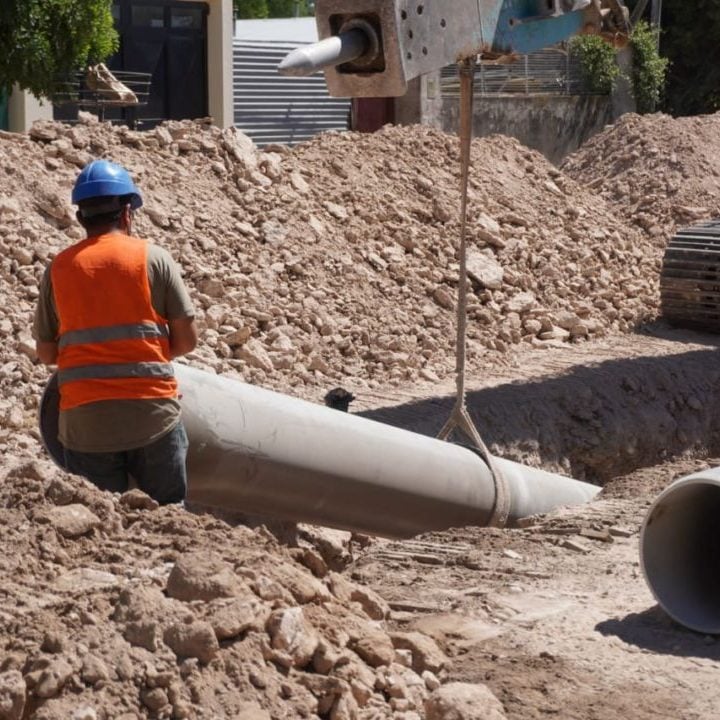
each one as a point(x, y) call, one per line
point(656, 631)
point(593, 422)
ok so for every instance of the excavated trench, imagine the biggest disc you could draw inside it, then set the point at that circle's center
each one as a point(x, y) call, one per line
point(592, 412)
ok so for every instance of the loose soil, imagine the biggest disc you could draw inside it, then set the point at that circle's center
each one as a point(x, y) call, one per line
point(333, 264)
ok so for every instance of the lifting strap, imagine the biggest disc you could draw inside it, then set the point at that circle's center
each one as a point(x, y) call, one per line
point(460, 417)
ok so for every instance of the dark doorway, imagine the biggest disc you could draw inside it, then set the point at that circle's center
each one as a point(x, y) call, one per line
point(168, 39)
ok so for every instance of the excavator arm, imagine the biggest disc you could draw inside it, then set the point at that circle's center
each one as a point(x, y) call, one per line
point(373, 48)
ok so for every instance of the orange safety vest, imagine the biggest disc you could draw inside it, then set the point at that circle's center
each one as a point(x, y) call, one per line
point(112, 345)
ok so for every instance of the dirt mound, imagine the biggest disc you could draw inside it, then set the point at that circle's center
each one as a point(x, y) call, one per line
point(114, 608)
point(335, 260)
point(660, 172)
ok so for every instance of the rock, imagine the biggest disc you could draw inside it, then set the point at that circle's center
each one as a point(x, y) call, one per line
point(163, 135)
point(138, 500)
point(443, 298)
point(157, 216)
point(251, 711)
point(292, 634)
point(374, 606)
point(566, 319)
point(194, 640)
point(298, 182)
point(271, 165)
point(255, 355)
point(375, 648)
point(43, 130)
point(273, 232)
point(144, 634)
point(201, 576)
point(230, 618)
point(557, 333)
point(24, 256)
point(337, 211)
point(154, 698)
point(425, 651)
point(521, 303)
point(441, 211)
point(238, 337)
point(431, 680)
point(53, 679)
point(94, 670)
point(9, 206)
point(12, 695)
point(72, 521)
point(485, 270)
point(85, 712)
point(463, 701)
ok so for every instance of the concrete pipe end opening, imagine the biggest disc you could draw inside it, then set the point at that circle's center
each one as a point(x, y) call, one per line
point(680, 551)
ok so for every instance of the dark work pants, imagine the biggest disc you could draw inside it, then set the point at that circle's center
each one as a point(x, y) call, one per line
point(158, 468)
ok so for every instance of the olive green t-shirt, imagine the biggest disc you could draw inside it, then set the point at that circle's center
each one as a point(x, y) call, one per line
point(119, 425)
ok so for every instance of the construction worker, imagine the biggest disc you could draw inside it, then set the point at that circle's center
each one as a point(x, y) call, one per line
point(112, 313)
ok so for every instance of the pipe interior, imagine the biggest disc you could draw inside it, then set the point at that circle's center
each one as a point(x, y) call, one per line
point(681, 555)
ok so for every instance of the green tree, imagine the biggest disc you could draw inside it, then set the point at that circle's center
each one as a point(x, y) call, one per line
point(690, 40)
point(258, 9)
point(251, 9)
point(44, 40)
point(649, 68)
point(598, 65)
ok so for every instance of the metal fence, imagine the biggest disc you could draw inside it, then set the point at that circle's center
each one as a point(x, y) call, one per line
point(271, 108)
point(553, 71)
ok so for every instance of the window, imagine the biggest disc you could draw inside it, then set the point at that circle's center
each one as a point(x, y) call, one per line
point(145, 16)
point(186, 18)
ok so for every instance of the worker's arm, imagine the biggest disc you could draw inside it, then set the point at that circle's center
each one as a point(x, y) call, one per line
point(183, 336)
point(45, 323)
point(171, 300)
point(47, 352)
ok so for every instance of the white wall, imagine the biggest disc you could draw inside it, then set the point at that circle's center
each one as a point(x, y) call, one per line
point(24, 109)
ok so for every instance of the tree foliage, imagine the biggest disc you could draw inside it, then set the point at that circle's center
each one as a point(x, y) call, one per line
point(44, 40)
point(690, 39)
point(258, 9)
point(648, 68)
point(598, 64)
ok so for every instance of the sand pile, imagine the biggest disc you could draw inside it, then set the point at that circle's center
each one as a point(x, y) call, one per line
point(335, 260)
point(114, 609)
point(660, 172)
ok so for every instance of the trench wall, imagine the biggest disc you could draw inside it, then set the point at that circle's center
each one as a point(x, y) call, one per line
point(594, 422)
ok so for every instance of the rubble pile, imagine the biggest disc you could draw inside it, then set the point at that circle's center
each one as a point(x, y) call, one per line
point(660, 172)
point(115, 609)
point(335, 260)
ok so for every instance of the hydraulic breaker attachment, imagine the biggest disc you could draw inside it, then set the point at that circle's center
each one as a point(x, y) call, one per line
point(373, 48)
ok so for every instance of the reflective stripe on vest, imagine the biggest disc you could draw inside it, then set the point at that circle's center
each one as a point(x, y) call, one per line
point(125, 370)
point(140, 331)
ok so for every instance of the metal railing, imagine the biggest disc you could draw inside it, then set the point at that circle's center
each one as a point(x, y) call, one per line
point(75, 92)
point(553, 71)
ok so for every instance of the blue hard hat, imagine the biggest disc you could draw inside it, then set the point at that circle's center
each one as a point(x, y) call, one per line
point(102, 178)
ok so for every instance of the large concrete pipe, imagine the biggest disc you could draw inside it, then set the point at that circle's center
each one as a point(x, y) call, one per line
point(262, 453)
point(680, 551)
